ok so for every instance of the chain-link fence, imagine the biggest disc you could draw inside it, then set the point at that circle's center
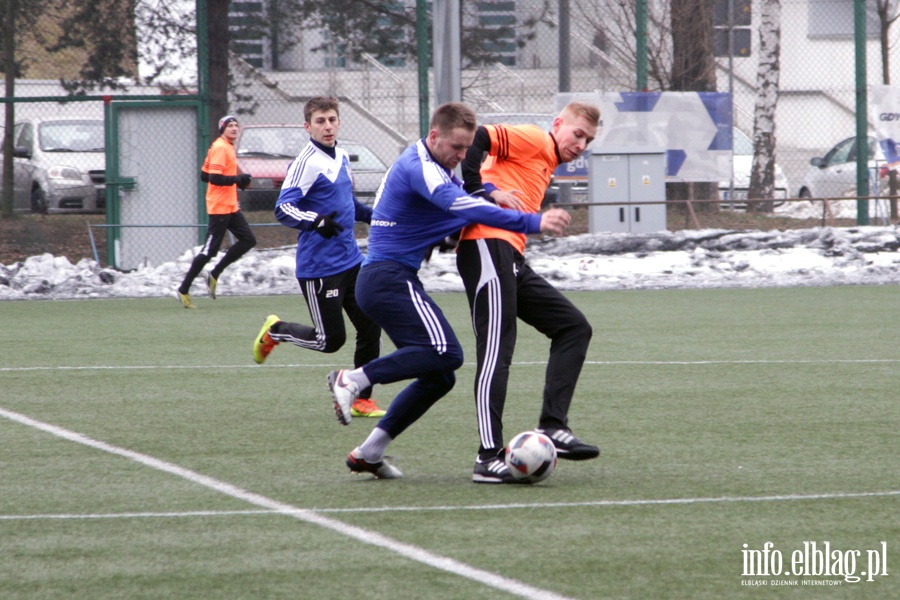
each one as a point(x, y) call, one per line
point(816, 100)
point(145, 208)
point(517, 75)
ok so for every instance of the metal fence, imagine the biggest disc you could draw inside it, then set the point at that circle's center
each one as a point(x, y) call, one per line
point(817, 86)
point(816, 107)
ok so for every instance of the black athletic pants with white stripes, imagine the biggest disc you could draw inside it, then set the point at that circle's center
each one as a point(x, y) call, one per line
point(327, 299)
point(501, 287)
point(218, 226)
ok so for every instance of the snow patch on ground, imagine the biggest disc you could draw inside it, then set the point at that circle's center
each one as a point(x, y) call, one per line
point(708, 258)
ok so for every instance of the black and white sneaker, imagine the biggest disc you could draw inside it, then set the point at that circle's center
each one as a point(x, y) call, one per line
point(568, 446)
point(492, 470)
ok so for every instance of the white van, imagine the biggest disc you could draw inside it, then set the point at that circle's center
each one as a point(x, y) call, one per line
point(67, 159)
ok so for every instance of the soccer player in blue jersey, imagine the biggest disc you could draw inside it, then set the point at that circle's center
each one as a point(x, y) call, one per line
point(317, 199)
point(420, 202)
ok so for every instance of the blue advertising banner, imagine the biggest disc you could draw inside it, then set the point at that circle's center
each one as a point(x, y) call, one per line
point(694, 128)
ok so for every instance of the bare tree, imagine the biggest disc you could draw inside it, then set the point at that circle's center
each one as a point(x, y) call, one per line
point(680, 55)
point(762, 174)
point(219, 36)
point(613, 21)
point(383, 29)
point(887, 14)
point(10, 7)
point(17, 16)
point(106, 29)
point(693, 65)
point(693, 69)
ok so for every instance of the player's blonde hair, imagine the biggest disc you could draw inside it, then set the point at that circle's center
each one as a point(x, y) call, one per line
point(582, 109)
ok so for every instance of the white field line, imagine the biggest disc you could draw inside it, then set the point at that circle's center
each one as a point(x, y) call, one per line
point(409, 551)
point(477, 507)
point(824, 361)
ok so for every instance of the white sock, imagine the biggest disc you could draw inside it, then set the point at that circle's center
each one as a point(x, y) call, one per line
point(358, 376)
point(373, 448)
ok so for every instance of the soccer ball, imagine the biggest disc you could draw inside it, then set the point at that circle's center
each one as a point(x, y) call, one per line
point(531, 457)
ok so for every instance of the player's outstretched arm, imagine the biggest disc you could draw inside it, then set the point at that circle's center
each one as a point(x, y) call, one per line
point(555, 221)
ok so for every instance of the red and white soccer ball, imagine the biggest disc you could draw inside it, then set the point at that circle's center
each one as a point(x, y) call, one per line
point(531, 457)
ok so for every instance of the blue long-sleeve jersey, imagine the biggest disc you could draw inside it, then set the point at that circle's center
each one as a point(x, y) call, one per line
point(421, 202)
point(319, 184)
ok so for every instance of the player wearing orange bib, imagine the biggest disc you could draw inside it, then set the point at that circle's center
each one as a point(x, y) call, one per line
point(221, 172)
point(522, 158)
point(501, 287)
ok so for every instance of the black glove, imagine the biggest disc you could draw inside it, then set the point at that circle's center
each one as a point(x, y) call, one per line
point(450, 242)
point(242, 180)
point(445, 245)
point(326, 226)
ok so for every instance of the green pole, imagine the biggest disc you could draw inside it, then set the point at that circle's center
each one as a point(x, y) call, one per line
point(112, 192)
point(565, 54)
point(640, 17)
point(203, 72)
point(862, 133)
point(203, 136)
point(422, 57)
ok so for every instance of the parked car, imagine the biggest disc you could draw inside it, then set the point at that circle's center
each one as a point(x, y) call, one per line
point(368, 170)
point(742, 167)
point(266, 152)
point(22, 185)
point(834, 175)
point(67, 161)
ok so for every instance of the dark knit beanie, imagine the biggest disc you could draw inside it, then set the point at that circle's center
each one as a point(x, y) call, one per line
point(224, 121)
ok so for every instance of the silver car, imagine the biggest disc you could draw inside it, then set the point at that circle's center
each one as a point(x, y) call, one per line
point(67, 160)
point(834, 175)
point(23, 200)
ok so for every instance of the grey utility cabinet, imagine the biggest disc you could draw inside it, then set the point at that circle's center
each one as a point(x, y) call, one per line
point(618, 175)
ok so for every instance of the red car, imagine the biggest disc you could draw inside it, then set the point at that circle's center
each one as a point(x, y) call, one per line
point(266, 152)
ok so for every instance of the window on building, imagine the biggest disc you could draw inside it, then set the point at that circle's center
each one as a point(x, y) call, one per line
point(501, 18)
point(833, 20)
point(244, 24)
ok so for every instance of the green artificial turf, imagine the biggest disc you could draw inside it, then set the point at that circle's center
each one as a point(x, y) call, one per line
point(145, 455)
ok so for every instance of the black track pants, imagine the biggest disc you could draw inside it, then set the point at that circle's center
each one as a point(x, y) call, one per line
point(501, 287)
